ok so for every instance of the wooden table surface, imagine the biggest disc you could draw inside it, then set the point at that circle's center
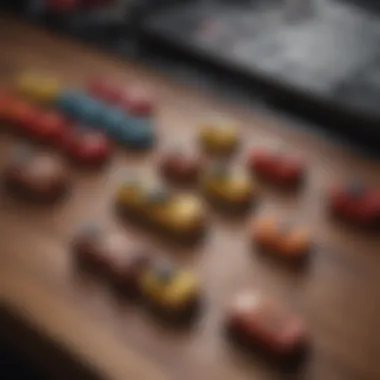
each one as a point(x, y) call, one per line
point(338, 294)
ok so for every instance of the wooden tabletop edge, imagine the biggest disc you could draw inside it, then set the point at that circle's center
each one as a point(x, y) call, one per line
point(68, 342)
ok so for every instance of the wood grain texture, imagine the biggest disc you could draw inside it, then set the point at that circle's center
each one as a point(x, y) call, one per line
point(338, 294)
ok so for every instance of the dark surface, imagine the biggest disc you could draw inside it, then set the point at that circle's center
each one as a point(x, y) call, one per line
point(326, 52)
point(15, 367)
point(331, 49)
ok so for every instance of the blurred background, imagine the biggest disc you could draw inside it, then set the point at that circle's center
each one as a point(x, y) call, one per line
point(318, 59)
